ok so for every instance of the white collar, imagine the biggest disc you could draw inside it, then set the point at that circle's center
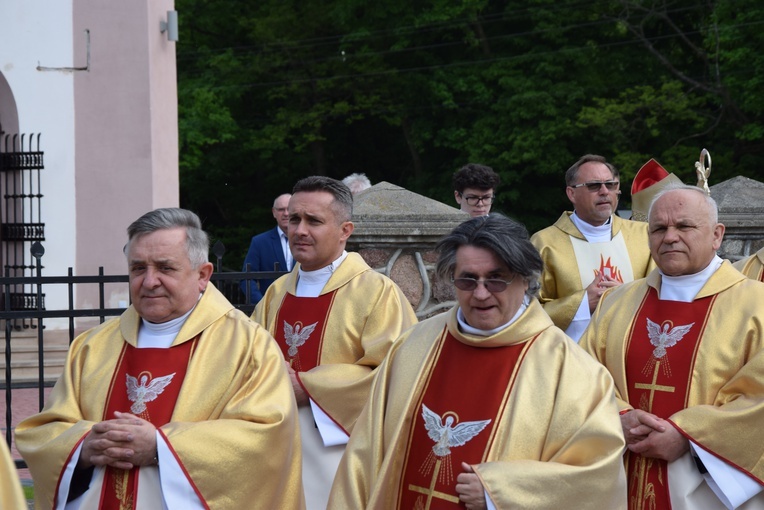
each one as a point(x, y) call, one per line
point(310, 283)
point(598, 234)
point(684, 288)
point(162, 334)
point(466, 328)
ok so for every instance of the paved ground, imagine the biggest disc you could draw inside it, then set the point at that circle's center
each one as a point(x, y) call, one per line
point(24, 403)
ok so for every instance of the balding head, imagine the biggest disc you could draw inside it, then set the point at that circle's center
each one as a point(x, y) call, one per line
point(684, 230)
point(281, 212)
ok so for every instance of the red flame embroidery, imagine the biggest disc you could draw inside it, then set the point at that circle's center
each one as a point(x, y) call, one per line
point(609, 270)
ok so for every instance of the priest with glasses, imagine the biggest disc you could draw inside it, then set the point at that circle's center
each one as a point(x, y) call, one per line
point(590, 249)
point(485, 404)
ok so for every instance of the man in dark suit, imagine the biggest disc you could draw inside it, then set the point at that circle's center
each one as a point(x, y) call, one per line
point(268, 249)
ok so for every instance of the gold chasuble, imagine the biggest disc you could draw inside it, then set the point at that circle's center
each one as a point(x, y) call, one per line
point(571, 262)
point(11, 496)
point(530, 412)
point(699, 365)
point(453, 426)
point(230, 421)
point(347, 331)
point(753, 266)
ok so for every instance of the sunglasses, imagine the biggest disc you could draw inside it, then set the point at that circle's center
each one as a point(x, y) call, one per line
point(492, 285)
point(595, 186)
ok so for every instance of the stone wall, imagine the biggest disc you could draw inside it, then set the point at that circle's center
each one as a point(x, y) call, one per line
point(741, 210)
point(396, 231)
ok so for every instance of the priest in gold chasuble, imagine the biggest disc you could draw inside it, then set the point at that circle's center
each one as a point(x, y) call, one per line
point(488, 405)
point(753, 266)
point(684, 346)
point(590, 249)
point(181, 402)
point(11, 496)
point(334, 318)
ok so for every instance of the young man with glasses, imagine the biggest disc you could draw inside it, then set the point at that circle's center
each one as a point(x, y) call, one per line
point(589, 249)
point(474, 188)
point(485, 404)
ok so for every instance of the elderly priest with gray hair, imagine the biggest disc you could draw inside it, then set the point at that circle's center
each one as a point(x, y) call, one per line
point(181, 402)
point(488, 405)
point(684, 346)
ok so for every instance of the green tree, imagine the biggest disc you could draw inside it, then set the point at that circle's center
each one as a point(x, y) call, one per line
point(408, 92)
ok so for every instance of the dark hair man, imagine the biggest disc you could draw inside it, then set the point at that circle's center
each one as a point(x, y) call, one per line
point(334, 318)
point(475, 188)
point(590, 249)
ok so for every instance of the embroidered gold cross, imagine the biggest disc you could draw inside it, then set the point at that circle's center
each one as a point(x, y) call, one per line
point(430, 491)
point(654, 387)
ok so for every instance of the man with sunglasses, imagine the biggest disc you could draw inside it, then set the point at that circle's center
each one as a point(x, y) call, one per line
point(474, 188)
point(484, 405)
point(590, 249)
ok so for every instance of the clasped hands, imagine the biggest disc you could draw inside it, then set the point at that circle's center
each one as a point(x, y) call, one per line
point(470, 489)
point(124, 442)
point(599, 285)
point(651, 436)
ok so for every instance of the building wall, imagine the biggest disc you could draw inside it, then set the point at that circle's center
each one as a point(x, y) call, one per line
point(39, 33)
point(126, 125)
point(109, 133)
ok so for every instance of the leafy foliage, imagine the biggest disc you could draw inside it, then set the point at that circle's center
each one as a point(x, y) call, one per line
point(407, 92)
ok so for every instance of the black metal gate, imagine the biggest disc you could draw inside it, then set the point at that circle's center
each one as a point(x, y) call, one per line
point(21, 161)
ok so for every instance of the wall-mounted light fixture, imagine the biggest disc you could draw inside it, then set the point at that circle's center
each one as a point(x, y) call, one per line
point(170, 26)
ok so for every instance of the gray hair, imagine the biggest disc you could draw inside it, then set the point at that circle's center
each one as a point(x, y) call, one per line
point(343, 198)
point(357, 182)
point(713, 209)
point(572, 173)
point(503, 236)
point(197, 241)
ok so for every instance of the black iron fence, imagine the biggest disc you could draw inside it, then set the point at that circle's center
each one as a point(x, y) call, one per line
point(30, 313)
point(21, 165)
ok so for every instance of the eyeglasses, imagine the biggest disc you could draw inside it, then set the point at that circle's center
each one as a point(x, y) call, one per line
point(595, 186)
point(474, 199)
point(493, 285)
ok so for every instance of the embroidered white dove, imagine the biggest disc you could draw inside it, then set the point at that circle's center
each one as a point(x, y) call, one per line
point(295, 336)
point(445, 435)
point(141, 393)
point(663, 338)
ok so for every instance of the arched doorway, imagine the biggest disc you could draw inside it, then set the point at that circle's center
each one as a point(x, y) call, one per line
point(9, 116)
point(21, 161)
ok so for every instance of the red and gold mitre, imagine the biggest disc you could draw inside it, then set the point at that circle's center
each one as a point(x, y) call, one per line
point(651, 179)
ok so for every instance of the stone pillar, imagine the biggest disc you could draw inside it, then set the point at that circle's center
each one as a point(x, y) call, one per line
point(396, 231)
point(741, 210)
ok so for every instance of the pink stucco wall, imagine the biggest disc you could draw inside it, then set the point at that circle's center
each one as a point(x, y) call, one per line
point(126, 125)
